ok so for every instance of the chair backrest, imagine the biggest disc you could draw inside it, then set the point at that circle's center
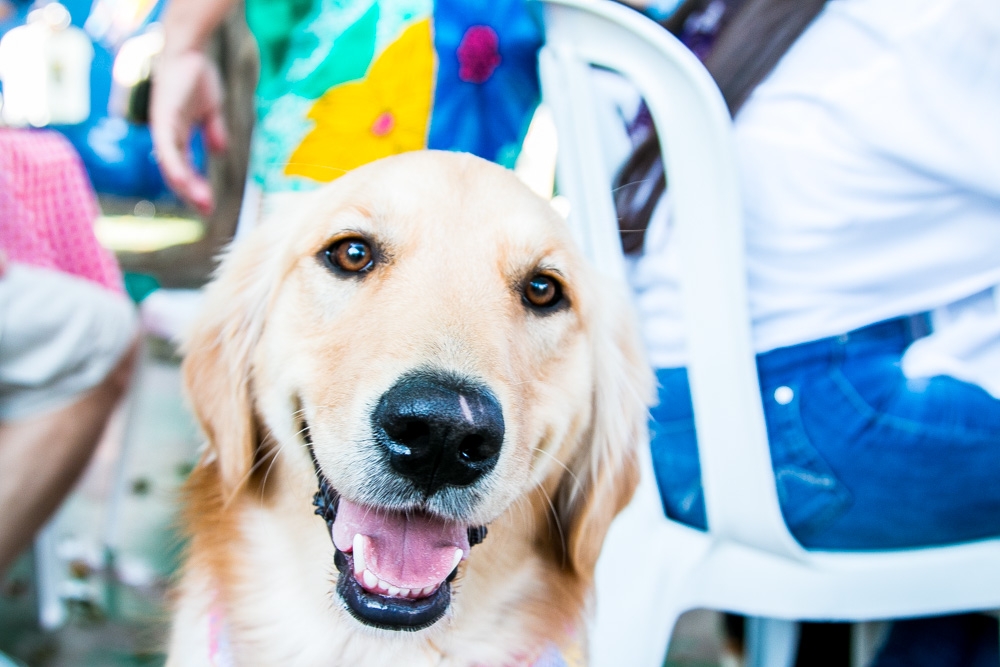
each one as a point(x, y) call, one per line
point(696, 137)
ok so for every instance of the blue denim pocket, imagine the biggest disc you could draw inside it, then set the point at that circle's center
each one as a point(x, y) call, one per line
point(921, 458)
point(810, 494)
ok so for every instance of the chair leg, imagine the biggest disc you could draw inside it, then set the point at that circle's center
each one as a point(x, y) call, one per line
point(625, 638)
point(668, 625)
point(51, 610)
point(632, 625)
point(866, 639)
point(771, 642)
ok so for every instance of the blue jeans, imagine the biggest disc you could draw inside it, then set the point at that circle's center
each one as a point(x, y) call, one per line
point(863, 457)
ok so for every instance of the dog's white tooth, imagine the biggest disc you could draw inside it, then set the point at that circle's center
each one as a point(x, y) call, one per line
point(404, 592)
point(457, 559)
point(359, 553)
point(384, 585)
point(370, 580)
point(428, 590)
point(393, 591)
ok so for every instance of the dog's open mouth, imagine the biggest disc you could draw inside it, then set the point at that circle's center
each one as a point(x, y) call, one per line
point(395, 567)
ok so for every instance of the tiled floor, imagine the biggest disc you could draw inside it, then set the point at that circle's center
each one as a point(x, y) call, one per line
point(116, 548)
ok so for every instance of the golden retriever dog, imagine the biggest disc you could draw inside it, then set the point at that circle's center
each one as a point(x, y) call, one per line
point(422, 357)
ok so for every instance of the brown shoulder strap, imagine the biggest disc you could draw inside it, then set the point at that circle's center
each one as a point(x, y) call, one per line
point(753, 41)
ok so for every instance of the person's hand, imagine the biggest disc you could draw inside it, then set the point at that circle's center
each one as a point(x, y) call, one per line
point(187, 93)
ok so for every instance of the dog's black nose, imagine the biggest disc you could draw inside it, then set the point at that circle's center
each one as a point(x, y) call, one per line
point(439, 430)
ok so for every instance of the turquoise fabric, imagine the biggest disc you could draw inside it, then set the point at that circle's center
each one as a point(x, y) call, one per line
point(310, 47)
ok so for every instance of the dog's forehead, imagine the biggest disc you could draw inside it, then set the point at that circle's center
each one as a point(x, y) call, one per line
point(440, 197)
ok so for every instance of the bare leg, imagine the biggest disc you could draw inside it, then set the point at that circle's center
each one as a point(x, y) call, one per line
point(41, 458)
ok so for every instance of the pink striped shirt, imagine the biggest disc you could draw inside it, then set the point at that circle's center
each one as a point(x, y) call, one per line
point(48, 208)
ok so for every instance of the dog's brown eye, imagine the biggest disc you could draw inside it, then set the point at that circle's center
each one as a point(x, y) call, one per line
point(543, 291)
point(351, 255)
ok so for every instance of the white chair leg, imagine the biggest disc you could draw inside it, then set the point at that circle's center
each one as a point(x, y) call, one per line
point(632, 623)
point(631, 626)
point(866, 640)
point(51, 610)
point(637, 598)
point(771, 642)
point(645, 653)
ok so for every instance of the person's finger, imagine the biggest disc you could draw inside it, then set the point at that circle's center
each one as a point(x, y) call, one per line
point(180, 175)
point(170, 139)
point(177, 176)
point(216, 136)
point(201, 197)
point(172, 161)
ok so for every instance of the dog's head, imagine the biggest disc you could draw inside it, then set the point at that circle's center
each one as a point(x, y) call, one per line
point(425, 335)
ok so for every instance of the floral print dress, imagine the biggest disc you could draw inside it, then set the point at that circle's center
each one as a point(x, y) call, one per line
point(345, 82)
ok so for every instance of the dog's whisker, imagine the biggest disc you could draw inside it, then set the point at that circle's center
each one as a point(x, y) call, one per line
point(622, 186)
point(553, 516)
point(274, 458)
point(266, 442)
point(270, 439)
point(566, 468)
point(243, 480)
point(521, 383)
point(521, 503)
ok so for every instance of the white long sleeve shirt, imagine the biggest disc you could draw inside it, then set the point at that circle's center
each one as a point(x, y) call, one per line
point(870, 165)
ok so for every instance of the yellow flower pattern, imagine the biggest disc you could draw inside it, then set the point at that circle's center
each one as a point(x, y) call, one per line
point(385, 113)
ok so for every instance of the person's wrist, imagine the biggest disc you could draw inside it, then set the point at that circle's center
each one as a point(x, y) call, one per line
point(183, 35)
point(186, 47)
point(189, 25)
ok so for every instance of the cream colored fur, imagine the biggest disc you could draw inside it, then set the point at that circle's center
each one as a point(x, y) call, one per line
point(283, 338)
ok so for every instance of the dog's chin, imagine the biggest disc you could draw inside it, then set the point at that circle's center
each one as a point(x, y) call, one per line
point(387, 612)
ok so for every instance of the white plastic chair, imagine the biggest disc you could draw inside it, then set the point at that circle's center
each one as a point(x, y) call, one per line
point(653, 569)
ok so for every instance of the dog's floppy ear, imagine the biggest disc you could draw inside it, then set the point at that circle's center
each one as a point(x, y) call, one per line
point(218, 356)
point(604, 472)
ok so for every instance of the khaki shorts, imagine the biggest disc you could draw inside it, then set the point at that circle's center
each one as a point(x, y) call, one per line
point(60, 335)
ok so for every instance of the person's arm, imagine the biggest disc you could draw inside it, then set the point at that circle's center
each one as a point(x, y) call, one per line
point(42, 457)
point(187, 93)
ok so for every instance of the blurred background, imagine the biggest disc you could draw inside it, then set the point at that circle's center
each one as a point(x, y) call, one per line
point(91, 591)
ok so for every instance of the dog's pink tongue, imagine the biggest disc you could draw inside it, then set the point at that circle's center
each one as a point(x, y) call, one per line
point(408, 550)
